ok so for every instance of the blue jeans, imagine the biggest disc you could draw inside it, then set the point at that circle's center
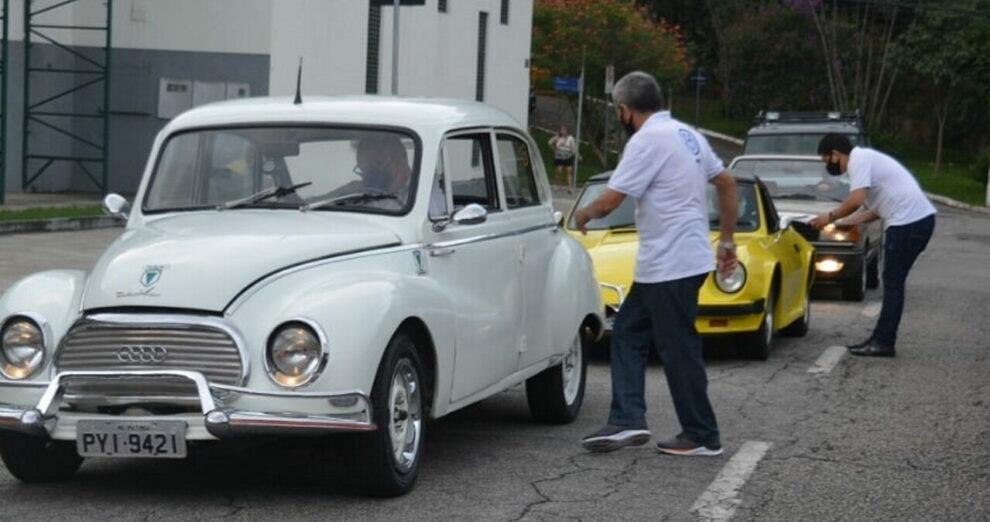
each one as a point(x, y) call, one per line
point(662, 315)
point(901, 247)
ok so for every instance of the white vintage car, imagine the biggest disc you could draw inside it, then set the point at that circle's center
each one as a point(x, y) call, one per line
point(354, 265)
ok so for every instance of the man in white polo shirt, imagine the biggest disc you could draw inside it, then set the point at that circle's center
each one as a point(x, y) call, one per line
point(664, 168)
point(889, 192)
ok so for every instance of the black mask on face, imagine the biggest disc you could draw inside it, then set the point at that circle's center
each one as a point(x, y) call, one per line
point(833, 168)
point(627, 126)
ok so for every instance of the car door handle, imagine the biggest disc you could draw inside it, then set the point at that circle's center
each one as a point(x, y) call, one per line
point(440, 252)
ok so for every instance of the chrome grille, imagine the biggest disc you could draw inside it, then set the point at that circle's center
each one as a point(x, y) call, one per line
point(96, 346)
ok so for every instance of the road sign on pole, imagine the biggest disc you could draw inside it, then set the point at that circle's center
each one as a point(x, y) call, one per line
point(566, 84)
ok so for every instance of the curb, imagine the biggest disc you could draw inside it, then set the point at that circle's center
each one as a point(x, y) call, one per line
point(58, 225)
point(949, 202)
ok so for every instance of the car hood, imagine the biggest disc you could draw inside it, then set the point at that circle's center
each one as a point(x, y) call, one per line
point(202, 260)
point(800, 208)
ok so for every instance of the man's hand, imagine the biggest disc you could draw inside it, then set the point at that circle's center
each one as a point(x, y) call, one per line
point(599, 208)
point(581, 219)
point(727, 260)
point(819, 221)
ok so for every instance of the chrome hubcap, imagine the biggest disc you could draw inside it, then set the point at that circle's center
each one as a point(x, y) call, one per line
point(572, 365)
point(405, 407)
point(768, 321)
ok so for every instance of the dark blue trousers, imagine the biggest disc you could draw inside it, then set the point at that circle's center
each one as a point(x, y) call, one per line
point(901, 247)
point(662, 315)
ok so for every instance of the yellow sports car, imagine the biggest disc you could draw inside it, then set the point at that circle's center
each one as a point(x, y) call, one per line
point(767, 294)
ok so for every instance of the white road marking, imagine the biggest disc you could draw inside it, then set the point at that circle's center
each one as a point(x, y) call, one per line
point(872, 309)
point(827, 360)
point(719, 501)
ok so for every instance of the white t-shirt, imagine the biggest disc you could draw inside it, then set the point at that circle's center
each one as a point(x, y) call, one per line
point(664, 168)
point(893, 192)
point(563, 148)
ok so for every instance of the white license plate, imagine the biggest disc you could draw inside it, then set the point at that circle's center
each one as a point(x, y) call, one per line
point(131, 439)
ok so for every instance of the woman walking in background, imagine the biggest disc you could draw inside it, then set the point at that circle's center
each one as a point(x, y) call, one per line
point(564, 149)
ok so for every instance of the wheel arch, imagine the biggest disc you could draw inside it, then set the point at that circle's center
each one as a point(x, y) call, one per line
point(416, 328)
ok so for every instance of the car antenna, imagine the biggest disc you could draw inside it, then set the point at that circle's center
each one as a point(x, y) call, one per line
point(299, 84)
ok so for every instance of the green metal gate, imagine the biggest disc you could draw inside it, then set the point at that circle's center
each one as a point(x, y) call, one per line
point(44, 115)
point(4, 56)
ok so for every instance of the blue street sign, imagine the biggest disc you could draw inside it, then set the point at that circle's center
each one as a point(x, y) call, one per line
point(566, 84)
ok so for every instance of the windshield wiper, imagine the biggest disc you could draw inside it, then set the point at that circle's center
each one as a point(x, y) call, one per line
point(355, 197)
point(274, 192)
point(627, 225)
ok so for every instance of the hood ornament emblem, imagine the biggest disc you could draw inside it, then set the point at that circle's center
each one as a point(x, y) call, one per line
point(151, 275)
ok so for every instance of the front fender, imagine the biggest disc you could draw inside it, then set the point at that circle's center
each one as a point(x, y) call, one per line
point(359, 304)
point(52, 297)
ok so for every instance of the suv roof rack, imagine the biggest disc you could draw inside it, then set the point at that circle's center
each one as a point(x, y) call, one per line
point(764, 117)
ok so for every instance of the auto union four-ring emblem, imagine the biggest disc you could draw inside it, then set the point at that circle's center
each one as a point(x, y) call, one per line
point(142, 354)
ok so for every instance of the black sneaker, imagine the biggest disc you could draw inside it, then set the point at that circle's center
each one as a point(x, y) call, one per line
point(611, 438)
point(681, 445)
point(861, 344)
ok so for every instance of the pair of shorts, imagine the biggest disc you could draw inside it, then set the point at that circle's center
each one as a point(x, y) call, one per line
point(565, 162)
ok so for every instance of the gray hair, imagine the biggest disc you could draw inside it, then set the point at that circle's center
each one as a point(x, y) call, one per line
point(638, 91)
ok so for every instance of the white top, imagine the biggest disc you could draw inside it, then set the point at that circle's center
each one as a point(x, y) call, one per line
point(563, 148)
point(893, 192)
point(664, 168)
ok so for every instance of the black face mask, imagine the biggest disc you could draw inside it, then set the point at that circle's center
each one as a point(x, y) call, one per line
point(378, 179)
point(833, 168)
point(628, 127)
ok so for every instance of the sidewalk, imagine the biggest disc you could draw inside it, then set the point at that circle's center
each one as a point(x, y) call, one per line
point(24, 201)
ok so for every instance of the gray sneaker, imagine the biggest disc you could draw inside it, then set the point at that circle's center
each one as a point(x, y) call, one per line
point(681, 445)
point(611, 438)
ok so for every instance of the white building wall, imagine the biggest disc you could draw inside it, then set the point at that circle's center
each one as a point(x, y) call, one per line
point(330, 36)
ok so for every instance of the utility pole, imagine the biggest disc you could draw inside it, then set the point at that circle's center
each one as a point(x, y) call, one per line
point(609, 84)
point(395, 48)
point(577, 137)
point(698, 79)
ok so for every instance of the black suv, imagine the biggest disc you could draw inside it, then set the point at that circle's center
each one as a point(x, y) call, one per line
point(798, 133)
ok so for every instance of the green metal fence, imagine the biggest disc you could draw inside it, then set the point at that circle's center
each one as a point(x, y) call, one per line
point(43, 116)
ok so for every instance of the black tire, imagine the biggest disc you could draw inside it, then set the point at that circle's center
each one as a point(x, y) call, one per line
point(800, 327)
point(38, 460)
point(855, 288)
point(873, 270)
point(756, 345)
point(545, 392)
point(378, 470)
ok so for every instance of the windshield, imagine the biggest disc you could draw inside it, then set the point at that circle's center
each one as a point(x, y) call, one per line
point(793, 144)
point(625, 215)
point(286, 167)
point(795, 179)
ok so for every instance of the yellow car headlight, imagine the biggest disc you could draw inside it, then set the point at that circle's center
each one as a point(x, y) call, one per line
point(733, 282)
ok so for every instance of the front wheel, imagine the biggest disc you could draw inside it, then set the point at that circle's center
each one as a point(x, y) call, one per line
point(756, 345)
point(555, 395)
point(34, 459)
point(855, 288)
point(391, 455)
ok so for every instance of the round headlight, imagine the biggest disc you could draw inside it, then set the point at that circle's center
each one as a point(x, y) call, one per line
point(733, 282)
point(295, 355)
point(22, 347)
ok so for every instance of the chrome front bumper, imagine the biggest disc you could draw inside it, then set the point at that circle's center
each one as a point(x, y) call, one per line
point(344, 412)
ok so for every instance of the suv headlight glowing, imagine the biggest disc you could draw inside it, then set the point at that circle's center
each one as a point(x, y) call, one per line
point(733, 282)
point(296, 354)
point(831, 232)
point(22, 348)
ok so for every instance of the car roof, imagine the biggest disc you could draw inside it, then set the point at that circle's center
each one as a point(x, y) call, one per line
point(772, 128)
point(388, 111)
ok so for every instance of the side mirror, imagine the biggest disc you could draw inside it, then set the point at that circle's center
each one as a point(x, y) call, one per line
point(472, 214)
point(116, 206)
point(558, 218)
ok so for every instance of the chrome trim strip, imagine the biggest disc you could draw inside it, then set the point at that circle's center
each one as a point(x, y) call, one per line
point(489, 237)
point(321, 335)
point(256, 286)
point(286, 394)
point(176, 321)
point(24, 384)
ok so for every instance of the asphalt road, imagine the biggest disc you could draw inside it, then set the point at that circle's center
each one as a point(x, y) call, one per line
point(891, 439)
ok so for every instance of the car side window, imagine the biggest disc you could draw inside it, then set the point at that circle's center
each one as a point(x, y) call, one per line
point(518, 177)
point(471, 171)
